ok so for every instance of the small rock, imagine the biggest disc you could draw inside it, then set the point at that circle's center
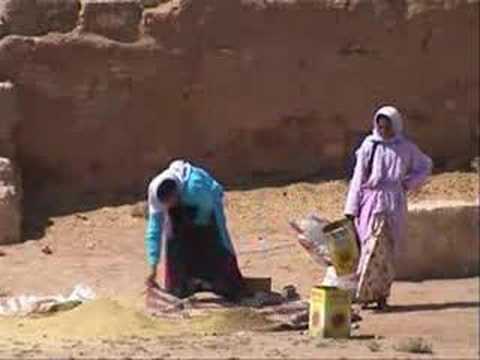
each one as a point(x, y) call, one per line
point(91, 245)
point(289, 292)
point(2, 253)
point(47, 250)
point(4, 293)
point(81, 217)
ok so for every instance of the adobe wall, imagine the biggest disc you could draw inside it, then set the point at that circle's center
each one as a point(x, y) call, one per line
point(442, 242)
point(109, 91)
point(10, 203)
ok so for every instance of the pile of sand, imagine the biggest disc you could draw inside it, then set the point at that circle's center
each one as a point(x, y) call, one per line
point(229, 321)
point(266, 210)
point(111, 319)
point(455, 186)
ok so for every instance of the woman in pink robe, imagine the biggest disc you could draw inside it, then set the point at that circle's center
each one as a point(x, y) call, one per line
point(387, 167)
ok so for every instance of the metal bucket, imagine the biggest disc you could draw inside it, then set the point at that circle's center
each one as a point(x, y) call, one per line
point(342, 246)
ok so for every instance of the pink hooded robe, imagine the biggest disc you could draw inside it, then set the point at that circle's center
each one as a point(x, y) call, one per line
point(398, 166)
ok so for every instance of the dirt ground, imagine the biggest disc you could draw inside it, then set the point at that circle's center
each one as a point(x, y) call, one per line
point(103, 248)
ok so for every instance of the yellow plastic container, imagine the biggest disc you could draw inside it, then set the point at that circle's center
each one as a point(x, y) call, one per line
point(330, 312)
point(342, 246)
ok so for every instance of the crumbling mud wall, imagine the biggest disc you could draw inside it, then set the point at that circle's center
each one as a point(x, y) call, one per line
point(442, 241)
point(10, 180)
point(9, 119)
point(10, 203)
point(110, 91)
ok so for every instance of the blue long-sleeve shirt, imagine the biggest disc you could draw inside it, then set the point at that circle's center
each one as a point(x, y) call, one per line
point(153, 238)
point(199, 190)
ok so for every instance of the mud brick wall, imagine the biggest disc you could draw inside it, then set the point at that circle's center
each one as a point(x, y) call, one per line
point(10, 203)
point(442, 242)
point(109, 91)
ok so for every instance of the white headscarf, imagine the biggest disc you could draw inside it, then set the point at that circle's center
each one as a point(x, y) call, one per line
point(396, 119)
point(178, 171)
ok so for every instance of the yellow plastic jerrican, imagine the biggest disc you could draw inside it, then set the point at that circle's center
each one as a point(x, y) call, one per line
point(330, 312)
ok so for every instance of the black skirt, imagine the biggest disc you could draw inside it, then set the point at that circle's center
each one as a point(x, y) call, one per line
point(197, 257)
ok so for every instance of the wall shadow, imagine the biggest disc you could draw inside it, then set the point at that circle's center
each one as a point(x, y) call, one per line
point(38, 211)
point(39, 208)
point(432, 307)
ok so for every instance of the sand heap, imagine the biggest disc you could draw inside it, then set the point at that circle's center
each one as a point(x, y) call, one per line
point(113, 318)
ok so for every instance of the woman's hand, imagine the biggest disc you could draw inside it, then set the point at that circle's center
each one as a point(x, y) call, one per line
point(302, 239)
point(350, 217)
point(328, 261)
point(151, 281)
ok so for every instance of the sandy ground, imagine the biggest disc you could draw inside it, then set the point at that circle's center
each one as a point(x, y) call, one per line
point(104, 249)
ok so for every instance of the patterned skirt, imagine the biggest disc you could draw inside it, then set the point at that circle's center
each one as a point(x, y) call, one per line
point(376, 270)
